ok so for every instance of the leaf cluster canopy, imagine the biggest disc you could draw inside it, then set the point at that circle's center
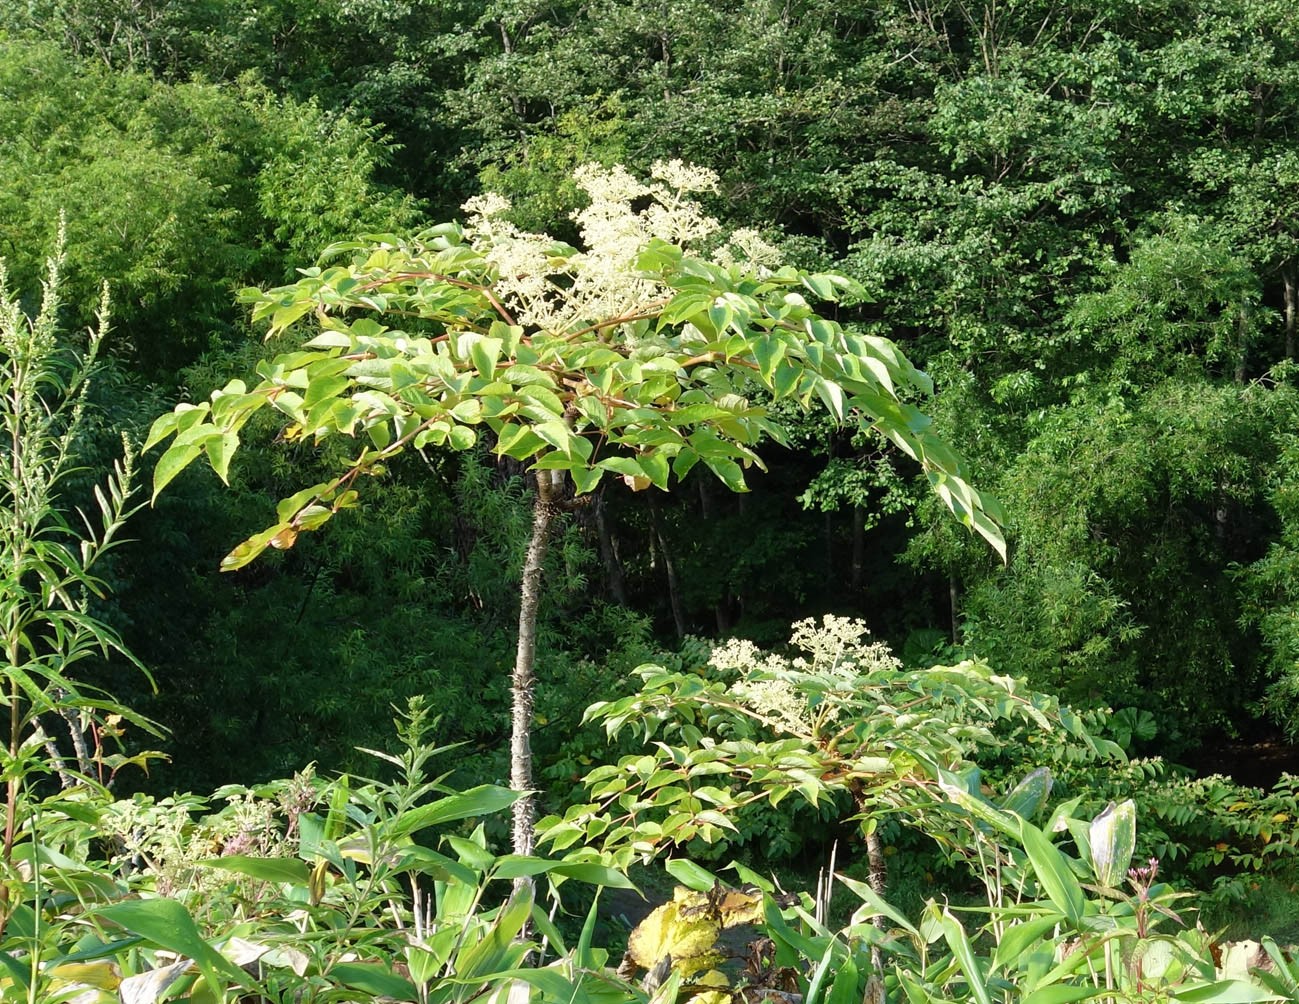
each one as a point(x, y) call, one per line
point(636, 359)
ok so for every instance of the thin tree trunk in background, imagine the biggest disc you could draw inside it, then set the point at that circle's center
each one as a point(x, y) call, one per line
point(1291, 281)
point(705, 499)
point(858, 547)
point(609, 555)
point(723, 609)
point(507, 50)
point(666, 50)
point(1242, 333)
point(524, 681)
point(954, 605)
point(79, 747)
point(669, 566)
point(66, 780)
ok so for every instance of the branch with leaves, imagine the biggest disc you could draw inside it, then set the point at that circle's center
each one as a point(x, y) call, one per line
point(842, 720)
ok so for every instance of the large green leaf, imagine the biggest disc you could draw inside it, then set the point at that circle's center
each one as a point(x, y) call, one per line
point(1064, 994)
point(846, 986)
point(291, 870)
point(816, 985)
point(511, 866)
point(1028, 797)
point(439, 867)
point(480, 801)
point(374, 978)
point(21, 973)
point(959, 942)
point(1224, 992)
point(1054, 876)
point(691, 875)
point(1017, 940)
point(172, 462)
point(168, 925)
point(878, 904)
point(498, 951)
point(583, 956)
point(977, 806)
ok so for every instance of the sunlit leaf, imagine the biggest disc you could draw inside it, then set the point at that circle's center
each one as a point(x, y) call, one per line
point(171, 464)
point(289, 870)
point(480, 801)
point(1053, 873)
point(1113, 839)
point(168, 925)
point(373, 978)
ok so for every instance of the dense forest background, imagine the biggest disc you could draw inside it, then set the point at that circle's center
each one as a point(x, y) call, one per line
point(1082, 218)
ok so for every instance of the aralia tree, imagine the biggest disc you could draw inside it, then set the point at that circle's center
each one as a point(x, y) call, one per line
point(633, 357)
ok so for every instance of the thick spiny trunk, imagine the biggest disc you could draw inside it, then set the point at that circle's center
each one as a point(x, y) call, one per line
point(524, 681)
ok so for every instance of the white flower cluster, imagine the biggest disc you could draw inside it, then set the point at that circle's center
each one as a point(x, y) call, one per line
point(841, 641)
point(526, 265)
point(747, 247)
point(769, 684)
point(549, 286)
point(760, 684)
point(777, 700)
point(739, 655)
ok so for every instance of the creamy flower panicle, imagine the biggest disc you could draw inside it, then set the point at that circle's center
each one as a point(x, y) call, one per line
point(769, 683)
point(841, 642)
point(556, 288)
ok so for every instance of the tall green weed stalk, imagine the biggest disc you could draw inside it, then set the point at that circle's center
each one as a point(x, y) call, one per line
point(49, 553)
